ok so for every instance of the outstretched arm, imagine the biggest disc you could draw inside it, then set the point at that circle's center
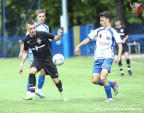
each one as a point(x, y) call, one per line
point(81, 44)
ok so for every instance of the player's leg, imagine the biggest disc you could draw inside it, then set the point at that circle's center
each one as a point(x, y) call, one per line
point(126, 54)
point(30, 57)
point(96, 73)
point(120, 62)
point(107, 87)
point(58, 84)
point(32, 83)
point(121, 68)
point(106, 68)
point(41, 80)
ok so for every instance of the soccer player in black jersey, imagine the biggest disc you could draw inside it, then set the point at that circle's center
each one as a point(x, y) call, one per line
point(124, 36)
point(37, 41)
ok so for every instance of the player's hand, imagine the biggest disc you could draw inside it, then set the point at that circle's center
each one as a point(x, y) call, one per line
point(117, 60)
point(20, 55)
point(59, 32)
point(21, 69)
point(76, 50)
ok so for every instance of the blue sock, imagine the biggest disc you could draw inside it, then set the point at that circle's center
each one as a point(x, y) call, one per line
point(111, 83)
point(108, 91)
point(40, 82)
point(28, 86)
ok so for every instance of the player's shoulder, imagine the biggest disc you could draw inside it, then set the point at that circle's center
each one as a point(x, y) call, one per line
point(100, 28)
point(26, 37)
point(46, 25)
point(113, 29)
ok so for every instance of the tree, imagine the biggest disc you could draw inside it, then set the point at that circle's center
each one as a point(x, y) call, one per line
point(120, 10)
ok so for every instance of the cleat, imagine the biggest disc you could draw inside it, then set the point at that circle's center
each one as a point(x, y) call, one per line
point(130, 73)
point(115, 88)
point(122, 74)
point(29, 98)
point(109, 100)
point(64, 97)
point(39, 93)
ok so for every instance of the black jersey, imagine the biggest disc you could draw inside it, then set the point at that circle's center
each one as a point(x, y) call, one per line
point(121, 31)
point(39, 44)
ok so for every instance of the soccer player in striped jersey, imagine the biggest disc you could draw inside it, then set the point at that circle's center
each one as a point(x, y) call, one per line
point(40, 26)
point(104, 54)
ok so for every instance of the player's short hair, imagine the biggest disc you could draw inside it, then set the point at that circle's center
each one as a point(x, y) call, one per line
point(40, 11)
point(117, 18)
point(106, 14)
point(31, 22)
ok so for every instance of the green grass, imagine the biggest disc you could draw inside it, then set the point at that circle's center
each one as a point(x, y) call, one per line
point(83, 96)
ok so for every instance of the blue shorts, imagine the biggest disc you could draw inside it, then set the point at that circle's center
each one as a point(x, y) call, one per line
point(30, 57)
point(102, 64)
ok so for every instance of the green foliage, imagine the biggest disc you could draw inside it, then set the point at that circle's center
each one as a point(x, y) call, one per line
point(83, 96)
point(80, 12)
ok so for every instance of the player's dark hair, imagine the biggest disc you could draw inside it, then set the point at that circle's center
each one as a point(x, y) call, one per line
point(40, 11)
point(31, 22)
point(106, 14)
point(117, 18)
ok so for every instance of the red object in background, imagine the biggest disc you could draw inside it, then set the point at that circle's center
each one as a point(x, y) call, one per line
point(139, 9)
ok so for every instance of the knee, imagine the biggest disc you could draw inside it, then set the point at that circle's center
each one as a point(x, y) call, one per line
point(103, 79)
point(56, 81)
point(42, 73)
point(33, 70)
point(95, 81)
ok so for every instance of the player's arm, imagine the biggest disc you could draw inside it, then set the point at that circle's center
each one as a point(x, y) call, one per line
point(59, 33)
point(21, 51)
point(119, 53)
point(126, 37)
point(24, 57)
point(81, 44)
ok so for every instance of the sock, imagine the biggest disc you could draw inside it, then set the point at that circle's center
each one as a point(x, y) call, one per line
point(32, 83)
point(111, 83)
point(128, 63)
point(120, 67)
point(40, 82)
point(28, 86)
point(108, 91)
point(59, 86)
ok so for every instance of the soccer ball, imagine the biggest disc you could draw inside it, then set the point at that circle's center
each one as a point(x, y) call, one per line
point(58, 59)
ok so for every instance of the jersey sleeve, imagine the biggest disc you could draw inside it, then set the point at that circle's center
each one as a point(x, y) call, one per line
point(48, 35)
point(25, 45)
point(117, 37)
point(93, 34)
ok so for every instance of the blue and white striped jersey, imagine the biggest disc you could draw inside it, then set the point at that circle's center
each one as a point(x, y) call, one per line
point(104, 43)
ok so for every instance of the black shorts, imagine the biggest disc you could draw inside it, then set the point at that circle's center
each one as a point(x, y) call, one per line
point(48, 66)
point(125, 48)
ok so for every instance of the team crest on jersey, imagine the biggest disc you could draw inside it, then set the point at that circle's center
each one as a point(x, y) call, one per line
point(121, 30)
point(38, 40)
point(108, 38)
point(100, 35)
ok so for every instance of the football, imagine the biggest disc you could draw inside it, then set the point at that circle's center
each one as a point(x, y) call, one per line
point(58, 59)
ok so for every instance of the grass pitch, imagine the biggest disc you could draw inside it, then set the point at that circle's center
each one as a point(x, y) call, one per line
point(83, 96)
